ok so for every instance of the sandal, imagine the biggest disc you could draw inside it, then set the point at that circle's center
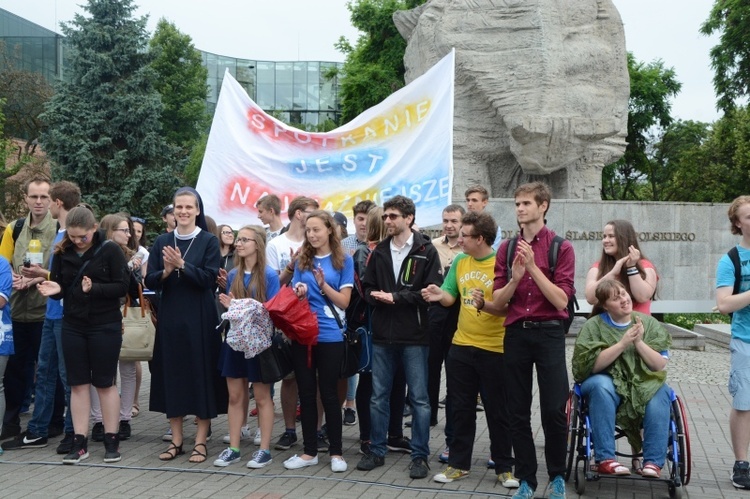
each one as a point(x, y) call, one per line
point(650, 470)
point(637, 465)
point(612, 467)
point(135, 410)
point(197, 457)
point(172, 452)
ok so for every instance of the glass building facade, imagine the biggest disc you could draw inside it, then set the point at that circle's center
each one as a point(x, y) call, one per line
point(302, 93)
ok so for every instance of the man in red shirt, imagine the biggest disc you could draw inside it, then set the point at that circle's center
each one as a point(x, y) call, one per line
point(534, 335)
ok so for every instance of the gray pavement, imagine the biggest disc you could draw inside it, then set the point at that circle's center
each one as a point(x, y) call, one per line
point(699, 377)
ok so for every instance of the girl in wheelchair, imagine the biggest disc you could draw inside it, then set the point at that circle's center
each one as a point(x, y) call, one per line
point(619, 359)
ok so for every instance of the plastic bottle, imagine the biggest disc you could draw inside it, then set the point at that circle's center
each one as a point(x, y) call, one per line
point(34, 254)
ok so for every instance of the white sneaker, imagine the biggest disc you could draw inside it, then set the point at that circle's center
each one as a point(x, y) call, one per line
point(244, 435)
point(256, 438)
point(338, 465)
point(295, 462)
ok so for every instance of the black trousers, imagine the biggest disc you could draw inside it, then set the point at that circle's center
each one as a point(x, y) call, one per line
point(19, 373)
point(443, 321)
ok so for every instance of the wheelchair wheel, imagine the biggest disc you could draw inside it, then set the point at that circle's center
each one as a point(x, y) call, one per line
point(684, 463)
point(674, 492)
point(580, 476)
point(571, 410)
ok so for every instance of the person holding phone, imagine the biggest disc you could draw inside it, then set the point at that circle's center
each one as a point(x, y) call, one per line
point(619, 359)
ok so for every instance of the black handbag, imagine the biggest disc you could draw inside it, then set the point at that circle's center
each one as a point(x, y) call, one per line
point(352, 346)
point(275, 361)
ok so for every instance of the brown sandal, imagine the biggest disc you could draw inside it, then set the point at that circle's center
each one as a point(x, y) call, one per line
point(172, 452)
point(197, 457)
point(637, 465)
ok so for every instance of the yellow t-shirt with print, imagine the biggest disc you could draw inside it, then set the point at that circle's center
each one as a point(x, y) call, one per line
point(480, 330)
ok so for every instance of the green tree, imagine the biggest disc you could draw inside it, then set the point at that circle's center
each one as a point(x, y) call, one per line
point(374, 67)
point(104, 131)
point(181, 81)
point(651, 87)
point(730, 59)
point(678, 160)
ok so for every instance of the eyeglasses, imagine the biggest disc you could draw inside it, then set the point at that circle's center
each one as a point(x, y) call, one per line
point(392, 216)
point(227, 233)
point(138, 219)
point(125, 230)
point(243, 240)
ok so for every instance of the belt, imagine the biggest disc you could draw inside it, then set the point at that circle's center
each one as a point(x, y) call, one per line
point(535, 325)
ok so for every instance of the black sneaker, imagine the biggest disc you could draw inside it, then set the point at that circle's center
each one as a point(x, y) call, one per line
point(350, 417)
point(10, 431)
point(66, 444)
point(370, 462)
point(111, 448)
point(25, 440)
point(322, 442)
point(741, 475)
point(78, 451)
point(399, 444)
point(419, 468)
point(125, 430)
point(97, 433)
point(364, 447)
point(54, 431)
point(286, 440)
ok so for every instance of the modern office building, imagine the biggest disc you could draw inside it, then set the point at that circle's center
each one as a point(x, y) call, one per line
point(301, 92)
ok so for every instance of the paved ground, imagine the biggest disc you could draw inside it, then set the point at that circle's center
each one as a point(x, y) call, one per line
point(700, 378)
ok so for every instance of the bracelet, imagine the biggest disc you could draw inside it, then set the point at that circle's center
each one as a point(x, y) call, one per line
point(288, 270)
point(632, 271)
point(483, 302)
point(49, 276)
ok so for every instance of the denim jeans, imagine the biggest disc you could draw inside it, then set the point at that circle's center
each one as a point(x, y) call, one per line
point(603, 402)
point(50, 364)
point(20, 370)
point(385, 360)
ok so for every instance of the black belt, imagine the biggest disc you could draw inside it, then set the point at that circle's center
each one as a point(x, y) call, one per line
point(535, 325)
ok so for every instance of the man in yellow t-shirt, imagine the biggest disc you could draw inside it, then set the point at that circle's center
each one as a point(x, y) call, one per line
point(476, 355)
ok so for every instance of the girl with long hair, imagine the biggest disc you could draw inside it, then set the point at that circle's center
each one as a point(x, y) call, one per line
point(250, 278)
point(322, 272)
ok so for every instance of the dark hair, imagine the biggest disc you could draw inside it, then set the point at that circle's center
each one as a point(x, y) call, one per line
point(540, 190)
point(484, 225)
point(300, 203)
point(625, 237)
point(454, 207)
point(270, 202)
point(219, 234)
point(212, 227)
point(404, 205)
point(38, 179)
point(307, 253)
point(79, 217)
point(67, 192)
point(732, 213)
point(257, 274)
point(478, 189)
point(604, 291)
point(142, 223)
point(363, 207)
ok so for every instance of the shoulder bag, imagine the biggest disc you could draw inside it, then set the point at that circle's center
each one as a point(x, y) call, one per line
point(138, 330)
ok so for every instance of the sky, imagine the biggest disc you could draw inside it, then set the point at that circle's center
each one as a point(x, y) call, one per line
point(290, 30)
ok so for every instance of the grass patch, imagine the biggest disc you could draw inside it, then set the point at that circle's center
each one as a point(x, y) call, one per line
point(688, 321)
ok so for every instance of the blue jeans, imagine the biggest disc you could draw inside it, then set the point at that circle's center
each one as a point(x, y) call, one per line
point(50, 363)
point(603, 402)
point(385, 360)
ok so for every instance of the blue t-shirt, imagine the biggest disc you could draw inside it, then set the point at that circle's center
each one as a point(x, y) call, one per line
point(725, 278)
point(55, 307)
point(6, 287)
point(337, 279)
point(272, 282)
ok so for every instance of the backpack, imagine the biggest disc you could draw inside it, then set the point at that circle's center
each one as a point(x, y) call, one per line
point(554, 249)
point(18, 227)
point(734, 256)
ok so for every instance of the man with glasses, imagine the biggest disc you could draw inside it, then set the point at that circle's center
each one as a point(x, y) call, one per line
point(27, 306)
point(476, 354)
point(399, 267)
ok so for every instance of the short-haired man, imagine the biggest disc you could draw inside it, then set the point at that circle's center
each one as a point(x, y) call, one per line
point(167, 216)
point(269, 212)
point(476, 355)
point(360, 210)
point(739, 306)
point(27, 305)
point(281, 253)
point(399, 267)
point(535, 336)
point(50, 364)
point(477, 198)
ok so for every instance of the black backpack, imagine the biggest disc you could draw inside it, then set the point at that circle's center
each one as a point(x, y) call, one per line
point(554, 249)
point(734, 256)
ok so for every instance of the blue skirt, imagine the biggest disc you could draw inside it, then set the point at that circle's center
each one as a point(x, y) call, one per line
point(233, 364)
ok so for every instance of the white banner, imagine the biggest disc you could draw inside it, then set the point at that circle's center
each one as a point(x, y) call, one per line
point(404, 146)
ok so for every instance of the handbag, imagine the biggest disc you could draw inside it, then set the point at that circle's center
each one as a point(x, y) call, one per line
point(365, 337)
point(138, 331)
point(275, 362)
point(352, 345)
point(293, 316)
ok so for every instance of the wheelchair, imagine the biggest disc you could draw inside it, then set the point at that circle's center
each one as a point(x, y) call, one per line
point(581, 451)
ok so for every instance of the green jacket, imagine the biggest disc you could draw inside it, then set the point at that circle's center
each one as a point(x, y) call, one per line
point(27, 305)
point(634, 382)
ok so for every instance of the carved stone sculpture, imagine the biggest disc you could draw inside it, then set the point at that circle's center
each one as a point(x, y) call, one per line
point(541, 93)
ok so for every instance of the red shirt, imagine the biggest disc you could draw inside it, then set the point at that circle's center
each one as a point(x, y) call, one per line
point(528, 302)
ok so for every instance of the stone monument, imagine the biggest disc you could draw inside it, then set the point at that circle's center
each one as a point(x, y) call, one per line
point(541, 89)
